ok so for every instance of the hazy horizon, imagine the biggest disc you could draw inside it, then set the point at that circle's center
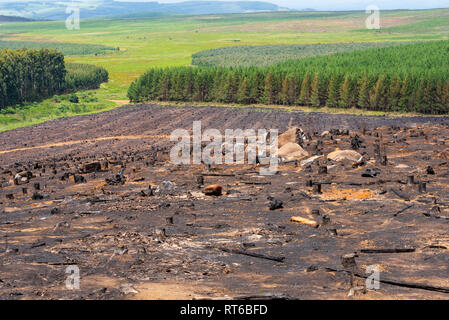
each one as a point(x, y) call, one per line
point(317, 4)
point(349, 4)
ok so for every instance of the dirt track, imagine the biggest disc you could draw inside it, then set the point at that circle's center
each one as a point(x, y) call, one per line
point(115, 233)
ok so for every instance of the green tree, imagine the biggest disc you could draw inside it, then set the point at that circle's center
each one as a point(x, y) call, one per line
point(304, 96)
point(445, 97)
point(315, 95)
point(243, 92)
point(403, 101)
point(418, 96)
point(394, 91)
point(346, 94)
point(377, 94)
point(270, 89)
point(364, 89)
point(333, 93)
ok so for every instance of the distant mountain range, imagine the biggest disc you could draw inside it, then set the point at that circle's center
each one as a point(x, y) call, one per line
point(13, 19)
point(50, 10)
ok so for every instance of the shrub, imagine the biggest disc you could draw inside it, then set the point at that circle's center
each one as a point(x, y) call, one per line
point(73, 98)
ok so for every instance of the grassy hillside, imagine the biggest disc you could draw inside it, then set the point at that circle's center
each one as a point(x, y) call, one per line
point(170, 41)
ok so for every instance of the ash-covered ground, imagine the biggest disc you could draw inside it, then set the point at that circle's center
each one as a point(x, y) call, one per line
point(99, 192)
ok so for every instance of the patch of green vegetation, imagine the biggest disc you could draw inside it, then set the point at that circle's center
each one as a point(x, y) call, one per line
point(246, 56)
point(56, 107)
point(428, 26)
point(84, 76)
point(68, 49)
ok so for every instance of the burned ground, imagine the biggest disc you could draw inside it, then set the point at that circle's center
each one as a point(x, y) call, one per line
point(76, 191)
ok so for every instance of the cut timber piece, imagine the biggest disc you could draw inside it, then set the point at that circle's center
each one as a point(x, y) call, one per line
point(310, 160)
point(388, 250)
point(345, 155)
point(292, 151)
point(305, 221)
point(400, 194)
point(292, 135)
point(91, 167)
point(253, 254)
point(403, 209)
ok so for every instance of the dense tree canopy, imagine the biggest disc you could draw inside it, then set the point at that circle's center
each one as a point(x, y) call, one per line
point(27, 75)
point(84, 76)
point(30, 75)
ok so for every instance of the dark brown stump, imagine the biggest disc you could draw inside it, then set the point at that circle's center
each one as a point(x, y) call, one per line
point(322, 170)
point(349, 264)
point(422, 186)
point(348, 261)
point(200, 181)
point(317, 188)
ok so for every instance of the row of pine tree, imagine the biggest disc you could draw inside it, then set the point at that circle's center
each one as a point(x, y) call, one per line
point(409, 78)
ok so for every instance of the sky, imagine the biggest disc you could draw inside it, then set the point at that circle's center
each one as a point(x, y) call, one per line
point(322, 4)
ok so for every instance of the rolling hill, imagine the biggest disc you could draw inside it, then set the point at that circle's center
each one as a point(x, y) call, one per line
point(13, 19)
point(96, 8)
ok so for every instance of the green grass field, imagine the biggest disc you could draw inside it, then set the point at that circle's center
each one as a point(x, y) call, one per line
point(171, 41)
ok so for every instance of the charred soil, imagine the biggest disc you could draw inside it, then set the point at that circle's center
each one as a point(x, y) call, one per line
point(98, 191)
